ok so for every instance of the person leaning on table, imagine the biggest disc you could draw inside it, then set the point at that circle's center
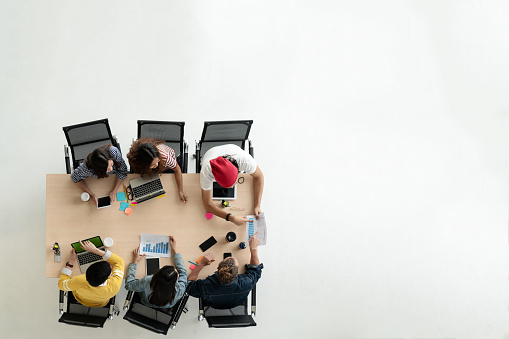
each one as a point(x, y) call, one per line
point(223, 164)
point(100, 163)
point(99, 284)
point(153, 156)
point(163, 289)
point(226, 288)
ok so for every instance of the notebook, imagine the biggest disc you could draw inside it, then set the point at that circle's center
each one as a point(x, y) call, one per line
point(146, 188)
point(86, 258)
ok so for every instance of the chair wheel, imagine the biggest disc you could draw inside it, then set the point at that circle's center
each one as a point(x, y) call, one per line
point(125, 308)
point(110, 317)
point(61, 311)
point(201, 317)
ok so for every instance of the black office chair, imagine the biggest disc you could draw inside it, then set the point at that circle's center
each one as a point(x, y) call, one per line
point(217, 133)
point(158, 320)
point(84, 138)
point(172, 132)
point(80, 315)
point(229, 318)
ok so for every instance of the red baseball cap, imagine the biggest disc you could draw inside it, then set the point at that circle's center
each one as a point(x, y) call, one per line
point(224, 171)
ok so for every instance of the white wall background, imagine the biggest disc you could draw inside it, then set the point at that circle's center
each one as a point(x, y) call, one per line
point(380, 127)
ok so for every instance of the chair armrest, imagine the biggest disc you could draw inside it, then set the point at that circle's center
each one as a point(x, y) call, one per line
point(253, 301)
point(251, 149)
point(127, 302)
point(181, 308)
point(67, 160)
point(61, 302)
point(197, 156)
point(185, 157)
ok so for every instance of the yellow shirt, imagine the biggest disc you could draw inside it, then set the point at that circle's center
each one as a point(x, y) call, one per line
point(91, 296)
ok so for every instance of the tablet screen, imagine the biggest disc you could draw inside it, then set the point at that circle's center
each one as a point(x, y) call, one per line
point(95, 240)
point(103, 202)
point(219, 192)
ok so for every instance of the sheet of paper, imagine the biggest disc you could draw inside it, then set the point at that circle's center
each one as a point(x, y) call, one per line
point(120, 196)
point(155, 245)
point(123, 206)
point(260, 226)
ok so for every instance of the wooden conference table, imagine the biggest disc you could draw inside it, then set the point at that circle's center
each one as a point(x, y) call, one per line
point(68, 219)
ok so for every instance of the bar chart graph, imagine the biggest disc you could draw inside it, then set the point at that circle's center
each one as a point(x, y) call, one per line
point(155, 245)
point(157, 248)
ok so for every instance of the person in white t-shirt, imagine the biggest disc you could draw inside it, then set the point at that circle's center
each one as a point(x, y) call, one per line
point(223, 164)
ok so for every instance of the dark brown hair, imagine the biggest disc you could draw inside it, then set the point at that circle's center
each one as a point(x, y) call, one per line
point(163, 286)
point(97, 161)
point(143, 151)
point(227, 271)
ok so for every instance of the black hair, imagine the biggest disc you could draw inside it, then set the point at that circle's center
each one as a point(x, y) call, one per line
point(233, 161)
point(98, 273)
point(163, 286)
point(97, 161)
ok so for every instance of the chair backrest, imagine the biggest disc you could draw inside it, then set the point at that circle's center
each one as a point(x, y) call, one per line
point(84, 138)
point(80, 315)
point(172, 132)
point(227, 318)
point(217, 133)
point(157, 320)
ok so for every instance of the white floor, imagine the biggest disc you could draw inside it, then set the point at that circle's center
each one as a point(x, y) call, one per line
point(381, 128)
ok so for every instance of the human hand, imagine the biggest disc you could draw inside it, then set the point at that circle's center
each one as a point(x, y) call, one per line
point(238, 220)
point(94, 198)
point(113, 196)
point(173, 245)
point(183, 197)
point(207, 259)
point(136, 255)
point(253, 242)
point(257, 212)
point(88, 246)
point(72, 257)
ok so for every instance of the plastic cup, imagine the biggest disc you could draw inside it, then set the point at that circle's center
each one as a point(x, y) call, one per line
point(108, 242)
point(85, 196)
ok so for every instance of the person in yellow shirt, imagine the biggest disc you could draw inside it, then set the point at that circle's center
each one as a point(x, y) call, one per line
point(99, 284)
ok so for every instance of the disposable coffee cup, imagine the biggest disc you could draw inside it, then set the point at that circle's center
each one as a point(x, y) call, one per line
point(108, 242)
point(231, 236)
point(85, 196)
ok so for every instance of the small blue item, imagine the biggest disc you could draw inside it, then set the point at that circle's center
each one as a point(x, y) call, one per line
point(121, 196)
point(123, 206)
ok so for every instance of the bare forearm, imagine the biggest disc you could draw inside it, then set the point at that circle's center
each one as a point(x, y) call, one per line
point(194, 275)
point(178, 178)
point(118, 181)
point(254, 257)
point(258, 190)
point(81, 184)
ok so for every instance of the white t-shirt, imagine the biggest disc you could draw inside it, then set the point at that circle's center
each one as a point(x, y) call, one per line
point(245, 161)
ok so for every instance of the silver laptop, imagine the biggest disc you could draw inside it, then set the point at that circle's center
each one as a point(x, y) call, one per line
point(86, 258)
point(146, 188)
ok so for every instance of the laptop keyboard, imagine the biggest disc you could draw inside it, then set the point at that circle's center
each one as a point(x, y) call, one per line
point(148, 188)
point(89, 257)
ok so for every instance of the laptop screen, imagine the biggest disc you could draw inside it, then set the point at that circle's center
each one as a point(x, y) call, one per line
point(95, 240)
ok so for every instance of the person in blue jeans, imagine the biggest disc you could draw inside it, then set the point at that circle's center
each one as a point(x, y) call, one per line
point(163, 289)
point(226, 288)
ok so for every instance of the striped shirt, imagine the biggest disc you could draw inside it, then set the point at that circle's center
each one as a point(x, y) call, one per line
point(82, 171)
point(167, 157)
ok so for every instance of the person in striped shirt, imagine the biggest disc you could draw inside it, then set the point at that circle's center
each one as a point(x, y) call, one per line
point(153, 156)
point(100, 163)
point(99, 284)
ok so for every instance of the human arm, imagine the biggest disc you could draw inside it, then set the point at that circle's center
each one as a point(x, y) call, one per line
point(66, 274)
point(131, 283)
point(78, 177)
point(258, 182)
point(210, 207)
point(113, 193)
point(253, 247)
point(179, 181)
point(207, 259)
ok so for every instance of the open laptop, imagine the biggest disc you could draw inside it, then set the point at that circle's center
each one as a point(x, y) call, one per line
point(86, 258)
point(222, 193)
point(147, 187)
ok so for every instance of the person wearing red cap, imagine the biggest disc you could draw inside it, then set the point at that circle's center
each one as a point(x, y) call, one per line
point(223, 164)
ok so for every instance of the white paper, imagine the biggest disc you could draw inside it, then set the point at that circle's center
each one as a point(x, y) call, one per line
point(259, 226)
point(155, 245)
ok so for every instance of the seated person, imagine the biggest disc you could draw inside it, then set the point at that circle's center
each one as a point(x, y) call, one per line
point(99, 284)
point(153, 156)
point(226, 288)
point(223, 164)
point(163, 289)
point(100, 163)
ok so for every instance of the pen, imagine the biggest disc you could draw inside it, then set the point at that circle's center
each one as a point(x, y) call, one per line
point(193, 263)
point(125, 192)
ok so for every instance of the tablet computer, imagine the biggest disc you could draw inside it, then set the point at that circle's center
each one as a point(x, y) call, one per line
point(221, 193)
point(103, 202)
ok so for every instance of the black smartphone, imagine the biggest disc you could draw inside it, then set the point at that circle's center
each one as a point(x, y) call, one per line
point(152, 265)
point(208, 243)
point(103, 202)
point(226, 255)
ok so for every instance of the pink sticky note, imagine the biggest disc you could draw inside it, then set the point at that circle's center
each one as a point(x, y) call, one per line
point(209, 215)
point(193, 266)
point(128, 210)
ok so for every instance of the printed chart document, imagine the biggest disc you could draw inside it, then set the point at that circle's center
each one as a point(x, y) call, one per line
point(253, 226)
point(155, 245)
